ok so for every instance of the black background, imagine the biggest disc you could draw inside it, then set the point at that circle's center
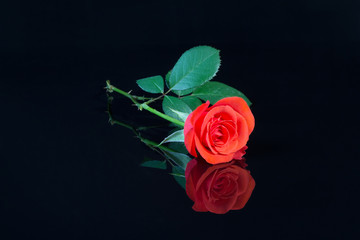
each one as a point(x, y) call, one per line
point(66, 173)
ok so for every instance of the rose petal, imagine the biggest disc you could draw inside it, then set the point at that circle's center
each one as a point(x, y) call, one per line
point(205, 169)
point(209, 156)
point(239, 154)
point(209, 144)
point(189, 127)
point(243, 133)
point(189, 167)
point(198, 111)
point(243, 199)
point(220, 206)
point(189, 176)
point(227, 113)
point(243, 180)
point(231, 145)
point(240, 106)
point(199, 205)
point(189, 142)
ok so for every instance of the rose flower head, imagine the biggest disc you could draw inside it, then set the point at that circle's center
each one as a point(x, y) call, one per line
point(218, 188)
point(219, 133)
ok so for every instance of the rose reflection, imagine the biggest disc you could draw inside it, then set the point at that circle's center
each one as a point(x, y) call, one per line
point(218, 188)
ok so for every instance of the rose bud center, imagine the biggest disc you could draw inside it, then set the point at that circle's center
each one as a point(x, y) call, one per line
point(221, 131)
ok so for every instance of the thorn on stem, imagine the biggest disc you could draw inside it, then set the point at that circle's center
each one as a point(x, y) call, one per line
point(111, 121)
point(108, 86)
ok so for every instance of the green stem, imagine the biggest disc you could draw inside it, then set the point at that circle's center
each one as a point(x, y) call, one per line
point(154, 144)
point(111, 88)
point(141, 106)
point(157, 98)
point(160, 114)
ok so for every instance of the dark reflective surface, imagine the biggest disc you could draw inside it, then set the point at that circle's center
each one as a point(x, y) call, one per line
point(67, 173)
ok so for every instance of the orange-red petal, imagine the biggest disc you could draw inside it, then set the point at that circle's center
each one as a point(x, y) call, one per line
point(209, 156)
point(240, 106)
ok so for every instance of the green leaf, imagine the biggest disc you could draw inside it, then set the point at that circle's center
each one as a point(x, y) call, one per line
point(179, 159)
point(154, 164)
point(177, 136)
point(178, 147)
point(192, 102)
point(195, 67)
point(167, 77)
point(152, 84)
point(183, 92)
point(179, 176)
point(214, 91)
point(176, 108)
point(177, 92)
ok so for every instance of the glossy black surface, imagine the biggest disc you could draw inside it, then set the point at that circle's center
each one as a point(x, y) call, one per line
point(66, 173)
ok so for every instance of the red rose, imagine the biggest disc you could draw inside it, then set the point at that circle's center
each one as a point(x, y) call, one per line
point(219, 133)
point(218, 188)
